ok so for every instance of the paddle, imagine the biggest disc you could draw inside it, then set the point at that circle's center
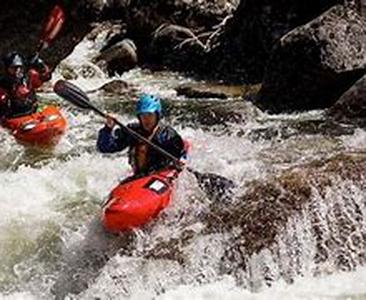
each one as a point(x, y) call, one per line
point(51, 28)
point(214, 184)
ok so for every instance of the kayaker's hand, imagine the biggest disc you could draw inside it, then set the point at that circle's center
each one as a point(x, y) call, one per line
point(181, 164)
point(110, 121)
point(37, 63)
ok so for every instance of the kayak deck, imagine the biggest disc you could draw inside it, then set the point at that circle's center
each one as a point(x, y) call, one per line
point(41, 129)
point(135, 202)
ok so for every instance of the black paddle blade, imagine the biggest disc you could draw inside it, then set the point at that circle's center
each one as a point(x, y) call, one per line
point(215, 186)
point(70, 92)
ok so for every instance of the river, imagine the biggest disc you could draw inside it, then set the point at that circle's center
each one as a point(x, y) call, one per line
point(51, 242)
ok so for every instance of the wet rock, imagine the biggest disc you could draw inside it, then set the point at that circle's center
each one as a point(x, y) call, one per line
point(120, 57)
point(261, 215)
point(207, 114)
point(207, 90)
point(115, 87)
point(120, 88)
point(243, 46)
point(351, 106)
point(68, 72)
point(314, 64)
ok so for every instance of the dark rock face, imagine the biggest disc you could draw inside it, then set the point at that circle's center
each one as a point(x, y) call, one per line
point(351, 106)
point(22, 23)
point(314, 64)
point(248, 38)
point(141, 18)
point(144, 17)
point(176, 46)
point(192, 14)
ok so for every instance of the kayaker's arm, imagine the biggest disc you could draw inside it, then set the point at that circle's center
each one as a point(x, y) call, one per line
point(173, 143)
point(38, 72)
point(112, 140)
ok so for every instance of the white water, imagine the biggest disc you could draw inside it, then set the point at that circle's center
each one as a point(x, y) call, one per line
point(49, 205)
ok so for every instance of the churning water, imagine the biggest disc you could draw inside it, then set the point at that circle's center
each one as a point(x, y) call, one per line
point(52, 244)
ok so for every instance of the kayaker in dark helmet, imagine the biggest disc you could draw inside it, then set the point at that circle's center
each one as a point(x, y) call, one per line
point(143, 158)
point(18, 84)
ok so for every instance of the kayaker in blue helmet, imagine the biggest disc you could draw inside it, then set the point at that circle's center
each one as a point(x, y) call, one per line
point(143, 158)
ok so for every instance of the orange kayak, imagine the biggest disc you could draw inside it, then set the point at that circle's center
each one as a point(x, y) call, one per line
point(135, 202)
point(42, 129)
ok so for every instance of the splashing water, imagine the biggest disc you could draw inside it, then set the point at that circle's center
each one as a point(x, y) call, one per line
point(52, 244)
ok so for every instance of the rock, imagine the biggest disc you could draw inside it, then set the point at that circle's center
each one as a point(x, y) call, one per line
point(116, 87)
point(23, 27)
point(244, 45)
point(192, 14)
point(314, 64)
point(120, 57)
point(143, 18)
point(351, 106)
point(206, 114)
point(68, 72)
point(207, 90)
point(265, 217)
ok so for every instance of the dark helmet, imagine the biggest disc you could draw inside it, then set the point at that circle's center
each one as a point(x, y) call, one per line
point(13, 59)
point(148, 104)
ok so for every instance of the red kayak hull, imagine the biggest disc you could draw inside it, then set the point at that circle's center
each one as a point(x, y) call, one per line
point(135, 202)
point(41, 129)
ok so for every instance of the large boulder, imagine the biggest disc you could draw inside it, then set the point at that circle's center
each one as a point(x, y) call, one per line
point(273, 217)
point(244, 46)
point(351, 106)
point(120, 57)
point(314, 64)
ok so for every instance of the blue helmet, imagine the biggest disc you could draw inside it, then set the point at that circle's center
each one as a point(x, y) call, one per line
point(148, 104)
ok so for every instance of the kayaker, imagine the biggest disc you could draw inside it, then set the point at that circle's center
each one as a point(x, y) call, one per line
point(143, 158)
point(18, 84)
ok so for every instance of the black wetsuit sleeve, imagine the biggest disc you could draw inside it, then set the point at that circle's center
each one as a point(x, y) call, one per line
point(171, 142)
point(175, 145)
point(110, 141)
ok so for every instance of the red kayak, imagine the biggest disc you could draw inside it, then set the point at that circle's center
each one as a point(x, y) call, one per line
point(135, 202)
point(42, 129)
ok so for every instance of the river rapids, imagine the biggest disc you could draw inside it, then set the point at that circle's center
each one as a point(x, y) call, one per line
point(52, 245)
